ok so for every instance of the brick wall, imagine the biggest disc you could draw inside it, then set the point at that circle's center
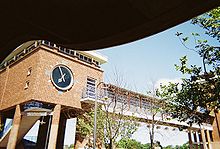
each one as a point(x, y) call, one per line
point(41, 62)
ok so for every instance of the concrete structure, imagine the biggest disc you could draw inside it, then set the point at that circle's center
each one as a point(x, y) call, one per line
point(28, 90)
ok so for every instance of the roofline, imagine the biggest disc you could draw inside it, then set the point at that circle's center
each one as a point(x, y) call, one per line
point(93, 54)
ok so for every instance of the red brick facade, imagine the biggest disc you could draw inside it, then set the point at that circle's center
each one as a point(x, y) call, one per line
point(41, 62)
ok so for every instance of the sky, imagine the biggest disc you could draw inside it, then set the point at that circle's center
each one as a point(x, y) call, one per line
point(145, 62)
point(151, 61)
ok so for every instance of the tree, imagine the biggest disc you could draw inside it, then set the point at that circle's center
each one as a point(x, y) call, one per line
point(71, 146)
point(85, 126)
point(153, 110)
point(198, 94)
point(127, 143)
point(116, 123)
point(112, 124)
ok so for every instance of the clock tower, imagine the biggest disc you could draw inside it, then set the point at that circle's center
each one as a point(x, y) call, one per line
point(46, 82)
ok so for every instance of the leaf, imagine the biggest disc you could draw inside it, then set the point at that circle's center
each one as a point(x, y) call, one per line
point(185, 39)
point(178, 34)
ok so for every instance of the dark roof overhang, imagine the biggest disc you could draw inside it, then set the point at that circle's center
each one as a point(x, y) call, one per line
point(91, 24)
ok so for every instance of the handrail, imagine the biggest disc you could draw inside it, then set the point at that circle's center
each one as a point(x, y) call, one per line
point(88, 94)
point(98, 93)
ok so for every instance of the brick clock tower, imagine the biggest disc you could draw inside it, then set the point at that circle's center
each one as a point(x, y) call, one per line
point(42, 81)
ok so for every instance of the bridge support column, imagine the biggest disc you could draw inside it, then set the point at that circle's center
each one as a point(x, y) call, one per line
point(203, 139)
point(200, 139)
point(15, 128)
point(209, 139)
point(195, 139)
point(42, 133)
point(54, 127)
point(61, 131)
point(190, 139)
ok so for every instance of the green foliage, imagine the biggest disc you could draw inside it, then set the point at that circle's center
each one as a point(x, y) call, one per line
point(117, 125)
point(198, 95)
point(184, 146)
point(71, 146)
point(110, 126)
point(127, 143)
point(130, 144)
point(85, 123)
point(210, 22)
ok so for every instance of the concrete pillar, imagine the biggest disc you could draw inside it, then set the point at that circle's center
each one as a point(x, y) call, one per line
point(15, 128)
point(195, 139)
point(209, 139)
point(200, 139)
point(54, 127)
point(216, 127)
point(42, 133)
point(61, 132)
point(203, 139)
point(190, 139)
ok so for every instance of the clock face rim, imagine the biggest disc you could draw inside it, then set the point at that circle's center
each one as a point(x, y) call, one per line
point(71, 75)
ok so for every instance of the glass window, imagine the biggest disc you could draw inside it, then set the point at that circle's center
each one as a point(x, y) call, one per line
point(81, 56)
point(27, 83)
point(72, 52)
point(51, 44)
point(67, 51)
point(145, 104)
point(61, 49)
point(91, 88)
point(85, 58)
point(29, 71)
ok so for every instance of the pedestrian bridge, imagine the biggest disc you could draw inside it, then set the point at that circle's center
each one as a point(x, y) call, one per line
point(142, 107)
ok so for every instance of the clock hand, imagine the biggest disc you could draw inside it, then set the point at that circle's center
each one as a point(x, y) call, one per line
point(61, 71)
point(62, 77)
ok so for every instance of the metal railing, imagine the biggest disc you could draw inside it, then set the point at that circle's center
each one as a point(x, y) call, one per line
point(88, 94)
point(110, 97)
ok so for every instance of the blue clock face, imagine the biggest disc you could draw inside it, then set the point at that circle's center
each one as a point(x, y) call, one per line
point(62, 77)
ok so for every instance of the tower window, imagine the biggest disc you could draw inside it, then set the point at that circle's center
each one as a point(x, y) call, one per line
point(27, 83)
point(81, 57)
point(29, 71)
point(67, 51)
point(72, 52)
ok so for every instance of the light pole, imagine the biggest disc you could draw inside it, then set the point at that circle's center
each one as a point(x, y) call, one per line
point(95, 116)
